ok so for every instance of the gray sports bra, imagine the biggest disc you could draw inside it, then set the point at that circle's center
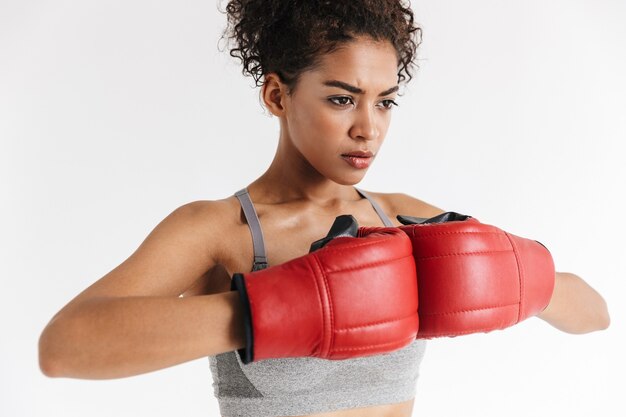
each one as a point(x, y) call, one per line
point(301, 386)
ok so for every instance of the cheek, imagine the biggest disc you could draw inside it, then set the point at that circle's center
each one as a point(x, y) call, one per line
point(384, 127)
point(319, 126)
point(319, 118)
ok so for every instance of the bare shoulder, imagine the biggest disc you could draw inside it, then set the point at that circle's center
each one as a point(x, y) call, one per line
point(213, 214)
point(179, 251)
point(206, 218)
point(402, 203)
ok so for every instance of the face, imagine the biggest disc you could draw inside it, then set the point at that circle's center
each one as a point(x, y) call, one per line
point(339, 114)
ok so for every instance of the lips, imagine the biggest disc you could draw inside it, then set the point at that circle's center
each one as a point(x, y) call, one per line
point(358, 159)
point(359, 154)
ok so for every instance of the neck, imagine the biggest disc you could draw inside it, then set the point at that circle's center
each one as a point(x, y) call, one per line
point(290, 178)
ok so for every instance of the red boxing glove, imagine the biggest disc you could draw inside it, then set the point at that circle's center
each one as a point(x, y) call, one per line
point(354, 295)
point(473, 277)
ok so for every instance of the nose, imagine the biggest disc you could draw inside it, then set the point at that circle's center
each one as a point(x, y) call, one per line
point(365, 124)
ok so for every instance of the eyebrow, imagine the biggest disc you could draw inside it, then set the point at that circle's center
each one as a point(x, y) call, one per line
point(356, 90)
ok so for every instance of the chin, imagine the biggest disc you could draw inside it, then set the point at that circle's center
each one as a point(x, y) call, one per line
point(348, 181)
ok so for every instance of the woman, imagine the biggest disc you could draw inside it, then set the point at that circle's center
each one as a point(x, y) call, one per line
point(330, 72)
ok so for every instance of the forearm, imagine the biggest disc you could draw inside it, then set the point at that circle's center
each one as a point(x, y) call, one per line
point(118, 337)
point(575, 307)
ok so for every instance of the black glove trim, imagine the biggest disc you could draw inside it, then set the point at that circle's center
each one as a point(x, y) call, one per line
point(448, 216)
point(543, 245)
point(344, 225)
point(238, 284)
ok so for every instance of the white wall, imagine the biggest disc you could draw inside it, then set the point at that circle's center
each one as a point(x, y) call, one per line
point(112, 114)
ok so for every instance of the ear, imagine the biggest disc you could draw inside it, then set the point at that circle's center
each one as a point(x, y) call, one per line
point(274, 93)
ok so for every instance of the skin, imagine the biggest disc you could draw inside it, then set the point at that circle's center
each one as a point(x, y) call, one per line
point(305, 187)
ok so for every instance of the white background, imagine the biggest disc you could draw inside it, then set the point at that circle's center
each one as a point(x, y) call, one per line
point(114, 113)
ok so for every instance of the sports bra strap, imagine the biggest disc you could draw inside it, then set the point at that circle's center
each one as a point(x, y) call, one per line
point(379, 210)
point(260, 257)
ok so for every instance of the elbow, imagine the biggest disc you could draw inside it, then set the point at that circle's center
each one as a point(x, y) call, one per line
point(53, 352)
point(604, 319)
point(48, 362)
point(600, 319)
point(48, 368)
point(582, 309)
point(596, 321)
point(592, 326)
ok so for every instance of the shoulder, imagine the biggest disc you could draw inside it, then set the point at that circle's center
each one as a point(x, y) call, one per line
point(209, 211)
point(182, 247)
point(202, 213)
point(402, 203)
point(203, 222)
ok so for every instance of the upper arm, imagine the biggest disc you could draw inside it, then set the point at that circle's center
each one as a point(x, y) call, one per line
point(179, 250)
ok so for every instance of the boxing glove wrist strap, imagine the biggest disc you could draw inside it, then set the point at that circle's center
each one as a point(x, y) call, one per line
point(237, 284)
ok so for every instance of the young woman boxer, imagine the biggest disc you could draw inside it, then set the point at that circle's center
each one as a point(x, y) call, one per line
point(329, 71)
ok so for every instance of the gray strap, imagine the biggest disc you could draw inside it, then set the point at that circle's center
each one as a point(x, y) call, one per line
point(260, 259)
point(379, 210)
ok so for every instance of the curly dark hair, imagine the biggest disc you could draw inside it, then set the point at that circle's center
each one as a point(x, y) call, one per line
point(287, 37)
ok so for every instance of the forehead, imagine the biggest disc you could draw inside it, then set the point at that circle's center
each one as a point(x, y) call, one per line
point(360, 62)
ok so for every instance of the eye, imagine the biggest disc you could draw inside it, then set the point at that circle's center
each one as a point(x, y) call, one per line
point(390, 104)
point(340, 98)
